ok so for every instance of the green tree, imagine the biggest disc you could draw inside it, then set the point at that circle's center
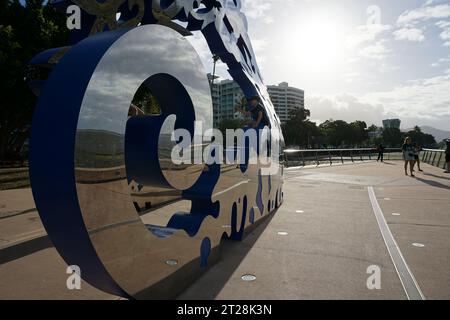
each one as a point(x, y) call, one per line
point(299, 130)
point(338, 133)
point(419, 137)
point(24, 32)
point(373, 128)
point(359, 133)
point(393, 137)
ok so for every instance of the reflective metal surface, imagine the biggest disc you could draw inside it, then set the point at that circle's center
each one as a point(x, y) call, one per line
point(124, 244)
point(111, 198)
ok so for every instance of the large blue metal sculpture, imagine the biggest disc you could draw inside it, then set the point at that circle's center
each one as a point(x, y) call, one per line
point(110, 199)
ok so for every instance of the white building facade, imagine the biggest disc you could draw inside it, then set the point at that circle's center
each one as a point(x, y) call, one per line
point(226, 95)
point(286, 99)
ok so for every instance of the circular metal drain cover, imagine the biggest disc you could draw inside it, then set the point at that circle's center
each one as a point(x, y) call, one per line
point(172, 262)
point(248, 277)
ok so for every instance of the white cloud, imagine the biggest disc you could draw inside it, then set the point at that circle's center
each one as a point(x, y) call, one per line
point(365, 34)
point(345, 107)
point(257, 9)
point(445, 34)
point(367, 42)
point(424, 13)
point(418, 102)
point(443, 24)
point(441, 61)
point(422, 99)
point(410, 34)
point(377, 51)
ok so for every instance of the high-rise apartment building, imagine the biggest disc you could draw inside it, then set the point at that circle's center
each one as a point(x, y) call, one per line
point(391, 123)
point(226, 95)
point(286, 99)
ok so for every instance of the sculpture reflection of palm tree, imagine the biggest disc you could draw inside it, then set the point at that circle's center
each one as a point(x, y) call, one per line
point(146, 102)
point(241, 104)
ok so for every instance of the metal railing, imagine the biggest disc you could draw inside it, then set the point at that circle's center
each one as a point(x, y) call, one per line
point(434, 157)
point(297, 158)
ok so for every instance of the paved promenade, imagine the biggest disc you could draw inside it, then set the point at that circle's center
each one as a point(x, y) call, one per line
point(318, 245)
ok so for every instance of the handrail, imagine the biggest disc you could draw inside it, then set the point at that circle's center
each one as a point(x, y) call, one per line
point(326, 150)
point(434, 157)
point(293, 157)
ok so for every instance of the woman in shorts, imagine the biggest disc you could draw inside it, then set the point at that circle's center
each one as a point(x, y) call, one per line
point(408, 155)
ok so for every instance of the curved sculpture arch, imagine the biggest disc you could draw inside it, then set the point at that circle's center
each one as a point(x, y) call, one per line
point(110, 199)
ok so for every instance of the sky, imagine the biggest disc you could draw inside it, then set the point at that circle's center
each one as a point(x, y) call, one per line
point(355, 59)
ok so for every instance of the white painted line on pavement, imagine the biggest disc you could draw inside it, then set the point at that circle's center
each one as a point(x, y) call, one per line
point(407, 279)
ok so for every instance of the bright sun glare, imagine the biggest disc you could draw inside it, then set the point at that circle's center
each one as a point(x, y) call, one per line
point(318, 45)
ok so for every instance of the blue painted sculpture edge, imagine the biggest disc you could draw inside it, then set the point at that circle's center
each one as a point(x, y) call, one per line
point(52, 168)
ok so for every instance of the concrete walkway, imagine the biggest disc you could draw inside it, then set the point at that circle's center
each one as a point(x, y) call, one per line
point(319, 245)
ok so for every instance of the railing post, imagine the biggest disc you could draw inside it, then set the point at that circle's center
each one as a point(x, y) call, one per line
point(329, 157)
point(351, 155)
point(317, 158)
point(342, 158)
point(429, 156)
point(439, 161)
point(360, 155)
point(303, 158)
point(370, 154)
point(434, 158)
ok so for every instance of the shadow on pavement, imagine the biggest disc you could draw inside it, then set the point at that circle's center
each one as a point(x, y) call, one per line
point(433, 183)
point(208, 286)
point(24, 248)
point(435, 176)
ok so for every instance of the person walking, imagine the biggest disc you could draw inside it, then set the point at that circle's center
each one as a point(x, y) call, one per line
point(447, 156)
point(417, 151)
point(380, 153)
point(408, 156)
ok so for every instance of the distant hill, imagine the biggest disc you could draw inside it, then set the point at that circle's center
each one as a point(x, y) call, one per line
point(438, 134)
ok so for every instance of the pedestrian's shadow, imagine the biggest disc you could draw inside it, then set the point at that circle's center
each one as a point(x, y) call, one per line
point(433, 183)
point(436, 176)
point(389, 163)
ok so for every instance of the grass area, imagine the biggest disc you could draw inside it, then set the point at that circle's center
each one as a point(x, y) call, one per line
point(14, 178)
